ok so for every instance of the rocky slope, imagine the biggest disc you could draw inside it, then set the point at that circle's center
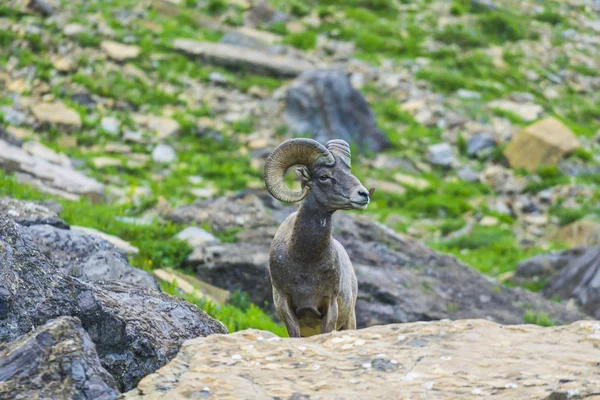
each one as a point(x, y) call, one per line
point(135, 329)
point(440, 360)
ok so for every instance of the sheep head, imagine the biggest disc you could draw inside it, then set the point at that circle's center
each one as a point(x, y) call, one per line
point(324, 171)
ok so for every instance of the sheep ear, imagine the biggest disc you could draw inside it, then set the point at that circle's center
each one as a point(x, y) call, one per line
point(302, 174)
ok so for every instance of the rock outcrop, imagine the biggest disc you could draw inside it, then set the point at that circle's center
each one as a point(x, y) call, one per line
point(438, 360)
point(324, 104)
point(243, 58)
point(87, 257)
point(400, 279)
point(136, 330)
point(46, 176)
point(55, 361)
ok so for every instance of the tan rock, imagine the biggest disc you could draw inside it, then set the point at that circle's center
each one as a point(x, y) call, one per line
point(192, 286)
point(411, 181)
point(118, 51)
point(489, 221)
point(163, 127)
point(386, 186)
point(118, 242)
point(105, 162)
point(544, 143)
point(450, 360)
point(56, 113)
point(579, 233)
point(64, 64)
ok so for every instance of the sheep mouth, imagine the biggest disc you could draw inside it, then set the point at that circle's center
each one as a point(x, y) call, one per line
point(358, 205)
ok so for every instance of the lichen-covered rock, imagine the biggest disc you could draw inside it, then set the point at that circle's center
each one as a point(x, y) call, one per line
point(438, 360)
point(55, 361)
point(27, 213)
point(87, 257)
point(136, 330)
point(324, 104)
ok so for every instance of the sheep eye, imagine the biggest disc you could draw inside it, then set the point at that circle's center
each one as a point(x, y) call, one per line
point(323, 178)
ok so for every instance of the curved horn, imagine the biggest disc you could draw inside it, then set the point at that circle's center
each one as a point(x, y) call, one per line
point(293, 152)
point(341, 149)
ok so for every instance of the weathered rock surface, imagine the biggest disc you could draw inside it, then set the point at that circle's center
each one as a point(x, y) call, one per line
point(579, 280)
point(400, 279)
point(439, 360)
point(324, 104)
point(119, 51)
point(544, 266)
point(55, 361)
point(544, 143)
point(243, 58)
point(48, 177)
point(27, 214)
point(528, 112)
point(121, 244)
point(87, 257)
point(579, 233)
point(136, 330)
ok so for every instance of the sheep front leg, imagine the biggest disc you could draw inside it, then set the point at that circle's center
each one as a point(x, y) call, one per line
point(329, 321)
point(284, 310)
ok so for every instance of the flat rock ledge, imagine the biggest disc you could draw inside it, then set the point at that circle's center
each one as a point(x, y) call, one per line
point(465, 359)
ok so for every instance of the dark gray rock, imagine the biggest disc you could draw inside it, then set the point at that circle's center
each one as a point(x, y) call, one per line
point(8, 137)
point(467, 174)
point(55, 361)
point(579, 280)
point(479, 143)
point(87, 257)
point(136, 330)
point(400, 279)
point(261, 14)
point(544, 266)
point(27, 214)
point(323, 104)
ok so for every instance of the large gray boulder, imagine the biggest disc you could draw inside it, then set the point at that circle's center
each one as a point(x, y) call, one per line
point(400, 279)
point(55, 361)
point(323, 104)
point(87, 257)
point(136, 330)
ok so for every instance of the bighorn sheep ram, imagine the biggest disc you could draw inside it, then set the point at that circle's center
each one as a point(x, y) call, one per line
point(314, 285)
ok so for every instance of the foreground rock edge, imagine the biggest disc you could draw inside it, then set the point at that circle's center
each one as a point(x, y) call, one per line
point(453, 359)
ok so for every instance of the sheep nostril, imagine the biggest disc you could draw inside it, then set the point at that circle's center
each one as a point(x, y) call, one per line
point(364, 194)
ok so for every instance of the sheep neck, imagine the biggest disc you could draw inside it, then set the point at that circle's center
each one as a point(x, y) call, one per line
point(312, 231)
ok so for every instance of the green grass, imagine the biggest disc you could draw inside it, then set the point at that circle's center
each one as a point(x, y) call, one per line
point(541, 319)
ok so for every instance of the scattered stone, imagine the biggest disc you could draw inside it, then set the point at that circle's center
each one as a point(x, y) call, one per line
point(324, 104)
point(136, 330)
point(441, 154)
point(411, 181)
point(111, 125)
point(544, 143)
point(468, 95)
point(120, 52)
point(26, 213)
point(203, 193)
point(261, 13)
point(195, 236)
point(380, 361)
point(106, 162)
point(163, 127)
point(218, 78)
point(48, 177)
point(42, 7)
point(467, 174)
point(543, 266)
point(164, 154)
point(12, 116)
point(489, 221)
point(73, 29)
point(479, 143)
point(38, 150)
point(64, 64)
point(527, 112)
point(243, 58)
point(56, 360)
point(56, 113)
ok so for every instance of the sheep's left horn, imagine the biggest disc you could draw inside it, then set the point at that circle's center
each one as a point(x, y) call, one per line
point(292, 152)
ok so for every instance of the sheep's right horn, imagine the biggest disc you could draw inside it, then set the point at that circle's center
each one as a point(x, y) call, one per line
point(287, 154)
